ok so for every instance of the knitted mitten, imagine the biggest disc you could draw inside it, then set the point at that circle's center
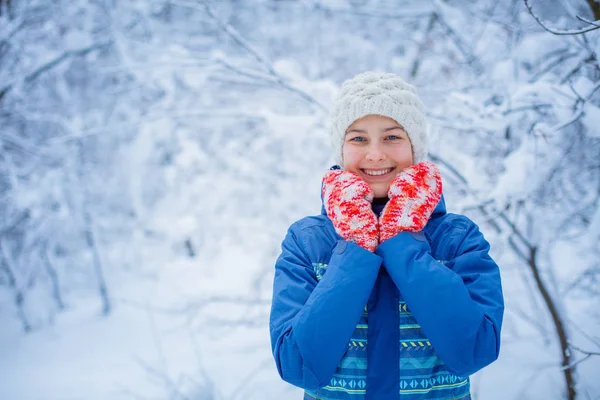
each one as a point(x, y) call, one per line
point(414, 194)
point(347, 199)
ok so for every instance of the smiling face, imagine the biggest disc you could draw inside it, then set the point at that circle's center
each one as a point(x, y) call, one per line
point(377, 149)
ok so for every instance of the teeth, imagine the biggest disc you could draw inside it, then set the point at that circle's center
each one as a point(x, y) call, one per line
point(378, 172)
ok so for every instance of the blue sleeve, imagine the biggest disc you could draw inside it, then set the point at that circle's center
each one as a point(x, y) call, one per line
point(459, 305)
point(311, 322)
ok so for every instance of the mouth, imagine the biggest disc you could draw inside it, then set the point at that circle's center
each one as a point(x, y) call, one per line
point(380, 173)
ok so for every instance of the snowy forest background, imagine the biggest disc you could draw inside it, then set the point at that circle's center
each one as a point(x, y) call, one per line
point(153, 154)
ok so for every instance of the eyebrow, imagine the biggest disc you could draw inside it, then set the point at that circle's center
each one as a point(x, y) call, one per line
point(364, 131)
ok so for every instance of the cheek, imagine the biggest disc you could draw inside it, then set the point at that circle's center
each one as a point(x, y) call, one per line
point(350, 158)
point(404, 156)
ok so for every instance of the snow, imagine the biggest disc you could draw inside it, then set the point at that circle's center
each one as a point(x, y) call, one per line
point(591, 119)
point(78, 351)
point(146, 339)
point(515, 183)
point(182, 159)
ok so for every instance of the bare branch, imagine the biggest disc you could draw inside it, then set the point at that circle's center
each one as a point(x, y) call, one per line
point(568, 367)
point(594, 340)
point(237, 38)
point(21, 143)
point(552, 65)
point(377, 14)
point(592, 91)
point(162, 376)
point(577, 68)
point(255, 370)
point(468, 54)
point(53, 64)
point(529, 319)
point(579, 349)
point(570, 121)
point(422, 45)
point(574, 364)
point(168, 114)
point(554, 31)
point(534, 107)
point(53, 275)
point(595, 23)
point(17, 287)
point(579, 103)
point(18, 221)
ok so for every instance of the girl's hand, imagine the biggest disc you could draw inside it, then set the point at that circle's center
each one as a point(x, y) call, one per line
point(347, 199)
point(414, 194)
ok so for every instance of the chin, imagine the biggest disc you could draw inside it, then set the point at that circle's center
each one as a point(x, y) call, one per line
point(380, 192)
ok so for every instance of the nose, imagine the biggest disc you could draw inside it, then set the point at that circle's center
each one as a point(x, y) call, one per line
point(375, 152)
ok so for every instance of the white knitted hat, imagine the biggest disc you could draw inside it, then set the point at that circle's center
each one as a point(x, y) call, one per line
point(380, 94)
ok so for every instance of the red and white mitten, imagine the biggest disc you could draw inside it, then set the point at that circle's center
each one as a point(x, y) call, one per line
point(347, 200)
point(414, 194)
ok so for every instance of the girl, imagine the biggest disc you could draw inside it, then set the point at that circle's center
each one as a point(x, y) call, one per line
point(384, 295)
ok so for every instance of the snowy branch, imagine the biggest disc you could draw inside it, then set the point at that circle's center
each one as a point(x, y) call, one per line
point(587, 354)
point(557, 32)
point(237, 38)
point(176, 115)
point(595, 23)
point(52, 64)
point(552, 65)
point(460, 42)
point(579, 110)
point(418, 13)
point(18, 221)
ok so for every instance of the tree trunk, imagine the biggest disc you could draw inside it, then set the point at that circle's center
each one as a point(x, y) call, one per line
point(51, 271)
point(90, 236)
point(98, 270)
point(422, 46)
point(568, 369)
point(531, 260)
point(5, 8)
point(595, 6)
point(14, 285)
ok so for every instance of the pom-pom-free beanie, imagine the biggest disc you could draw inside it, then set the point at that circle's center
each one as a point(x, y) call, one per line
point(380, 94)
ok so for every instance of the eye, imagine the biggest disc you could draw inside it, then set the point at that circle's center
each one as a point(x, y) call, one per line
point(393, 137)
point(357, 139)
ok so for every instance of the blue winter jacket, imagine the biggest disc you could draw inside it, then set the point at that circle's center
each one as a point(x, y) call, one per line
point(412, 320)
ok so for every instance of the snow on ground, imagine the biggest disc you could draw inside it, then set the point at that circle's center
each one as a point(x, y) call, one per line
point(163, 341)
point(146, 346)
point(145, 350)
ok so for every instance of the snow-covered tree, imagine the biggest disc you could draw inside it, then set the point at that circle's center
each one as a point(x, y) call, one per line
point(148, 140)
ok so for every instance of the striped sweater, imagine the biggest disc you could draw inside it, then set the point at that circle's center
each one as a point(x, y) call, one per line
point(413, 320)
